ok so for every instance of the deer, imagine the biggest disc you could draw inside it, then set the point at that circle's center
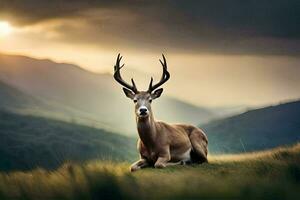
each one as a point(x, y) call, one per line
point(161, 144)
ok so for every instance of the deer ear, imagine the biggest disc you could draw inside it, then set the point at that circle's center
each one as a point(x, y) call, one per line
point(157, 93)
point(128, 93)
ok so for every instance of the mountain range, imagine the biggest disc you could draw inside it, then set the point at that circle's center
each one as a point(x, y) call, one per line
point(85, 97)
point(255, 129)
point(51, 113)
point(31, 137)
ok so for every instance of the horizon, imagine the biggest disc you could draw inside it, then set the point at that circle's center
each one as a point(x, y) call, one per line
point(117, 99)
point(230, 61)
point(143, 81)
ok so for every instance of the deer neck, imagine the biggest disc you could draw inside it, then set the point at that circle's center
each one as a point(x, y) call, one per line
point(147, 130)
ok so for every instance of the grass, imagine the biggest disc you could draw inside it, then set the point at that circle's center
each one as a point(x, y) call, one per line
point(273, 174)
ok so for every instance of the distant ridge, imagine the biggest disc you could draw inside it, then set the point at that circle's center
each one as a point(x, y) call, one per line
point(97, 96)
point(255, 129)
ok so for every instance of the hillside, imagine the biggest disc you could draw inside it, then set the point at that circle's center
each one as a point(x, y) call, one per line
point(274, 174)
point(17, 101)
point(28, 142)
point(256, 129)
point(94, 96)
point(11, 98)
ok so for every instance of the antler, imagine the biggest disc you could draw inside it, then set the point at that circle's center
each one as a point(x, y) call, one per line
point(118, 77)
point(164, 78)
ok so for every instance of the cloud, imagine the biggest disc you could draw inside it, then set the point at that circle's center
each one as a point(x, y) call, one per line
point(267, 27)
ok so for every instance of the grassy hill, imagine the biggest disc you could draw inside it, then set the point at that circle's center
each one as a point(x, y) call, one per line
point(256, 129)
point(28, 142)
point(273, 174)
point(87, 95)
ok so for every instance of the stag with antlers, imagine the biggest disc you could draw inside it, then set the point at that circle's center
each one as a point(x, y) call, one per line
point(161, 144)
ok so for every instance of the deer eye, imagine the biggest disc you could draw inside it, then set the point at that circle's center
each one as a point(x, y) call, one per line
point(134, 100)
point(150, 100)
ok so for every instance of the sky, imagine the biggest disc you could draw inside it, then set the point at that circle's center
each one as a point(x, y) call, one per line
point(220, 53)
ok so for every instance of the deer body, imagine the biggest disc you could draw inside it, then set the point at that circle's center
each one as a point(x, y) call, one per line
point(161, 144)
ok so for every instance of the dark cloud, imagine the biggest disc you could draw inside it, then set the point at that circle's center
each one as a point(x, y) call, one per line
point(33, 11)
point(217, 26)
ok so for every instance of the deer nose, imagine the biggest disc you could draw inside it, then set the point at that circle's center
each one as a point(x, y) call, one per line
point(143, 110)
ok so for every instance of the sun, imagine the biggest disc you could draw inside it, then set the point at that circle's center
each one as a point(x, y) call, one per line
point(5, 28)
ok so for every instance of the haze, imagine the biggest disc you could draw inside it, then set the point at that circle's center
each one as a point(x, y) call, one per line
point(219, 54)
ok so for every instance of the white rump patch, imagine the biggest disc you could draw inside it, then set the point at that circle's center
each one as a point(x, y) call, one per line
point(186, 156)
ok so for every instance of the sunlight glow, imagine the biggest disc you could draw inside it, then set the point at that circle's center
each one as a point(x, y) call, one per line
point(5, 28)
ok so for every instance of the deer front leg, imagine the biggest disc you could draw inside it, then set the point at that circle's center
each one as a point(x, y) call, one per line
point(161, 162)
point(142, 163)
point(164, 162)
point(163, 159)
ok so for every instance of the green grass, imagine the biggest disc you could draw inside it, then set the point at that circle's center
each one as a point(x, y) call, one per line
point(273, 174)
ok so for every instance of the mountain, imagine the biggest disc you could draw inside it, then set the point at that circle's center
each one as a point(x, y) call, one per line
point(16, 101)
point(228, 111)
point(89, 97)
point(28, 142)
point(255, 129)
point(11, 98)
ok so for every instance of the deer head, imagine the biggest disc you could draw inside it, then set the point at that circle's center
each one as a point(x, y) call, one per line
point(142, 99)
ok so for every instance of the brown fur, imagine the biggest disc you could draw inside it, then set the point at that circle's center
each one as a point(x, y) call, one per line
point(161, 144)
